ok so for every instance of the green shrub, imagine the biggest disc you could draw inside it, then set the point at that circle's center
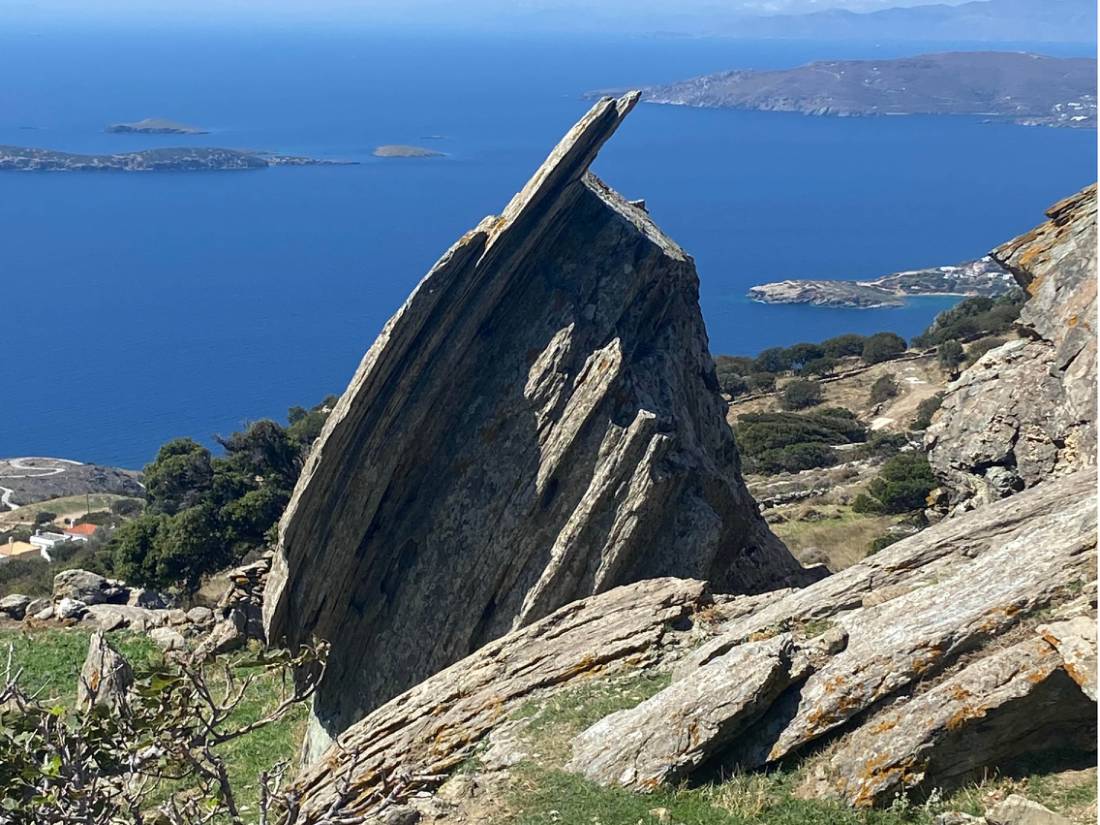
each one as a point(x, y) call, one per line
point(925, 410)
point(127, 507)
point(792, 459)
point(44, 517)
point(800, 394)
point(825, 365)
point(798, 355)
point(883, 444)
point(761, 381)
point(843, 345)
point(973, 317)
point(882, 346)
point(884, 388)
point(757, 433)
point(902, 486)
point(950, 355)
point(774, 359)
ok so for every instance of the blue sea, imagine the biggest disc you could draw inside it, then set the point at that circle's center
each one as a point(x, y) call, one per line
point(139, 308)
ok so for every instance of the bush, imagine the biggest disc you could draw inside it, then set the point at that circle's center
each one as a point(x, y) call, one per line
point(792, 459)
point(950, 355)
point(757, 433)
point(882, 346)
point(774, 359)
point(819, 366)
point(973, 317)
point(798, 355)
point(884, 388)
point(843, 345)
point(902, 486)
point(127, 507)
point(761, 381)
point(925, 410)
point(800, 394)
point(98, 518)
point(979, 348)
point(884, 444)
point(43, 517)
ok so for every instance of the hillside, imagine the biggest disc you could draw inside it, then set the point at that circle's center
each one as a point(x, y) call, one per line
point(1021, 88)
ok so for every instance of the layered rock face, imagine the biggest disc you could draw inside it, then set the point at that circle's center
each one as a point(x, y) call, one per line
point(1026, 411)
point(538, 423)
point(964, 645)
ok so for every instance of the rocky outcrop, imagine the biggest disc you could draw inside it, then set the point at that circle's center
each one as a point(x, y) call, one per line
point(1025, 412)
point(952, 650)
point(89, 588)
point(411, 743)
point(924, 688)
point(538, 423)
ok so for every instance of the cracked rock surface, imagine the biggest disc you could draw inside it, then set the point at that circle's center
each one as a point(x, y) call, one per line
point(538, 423)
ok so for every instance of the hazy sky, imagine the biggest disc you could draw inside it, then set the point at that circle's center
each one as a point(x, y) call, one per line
point(634, 13)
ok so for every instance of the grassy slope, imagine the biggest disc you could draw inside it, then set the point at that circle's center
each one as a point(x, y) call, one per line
point(51, 661)
point(543, 794)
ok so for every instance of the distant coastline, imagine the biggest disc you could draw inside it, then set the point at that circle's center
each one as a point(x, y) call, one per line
point(25, 159)
point(983, 277)
point(396, 150)
point(1007, 87)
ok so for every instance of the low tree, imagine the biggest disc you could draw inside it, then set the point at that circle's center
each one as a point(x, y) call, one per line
point(774, 359)
point(843, 345)
point(882, 346)
point(949, 355)
point(925, 410)
point(800, 394)
point(902, 486)
point(884, 388)
point(44, 517)
point(824, 365)
point(179, 476)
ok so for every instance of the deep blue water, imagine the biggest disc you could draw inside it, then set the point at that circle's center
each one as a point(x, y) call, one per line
point(139, 308)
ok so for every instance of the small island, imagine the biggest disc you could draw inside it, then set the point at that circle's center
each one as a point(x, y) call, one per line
point(155, 126)
point(984, 277)
point(397, 150)
point(23, 159)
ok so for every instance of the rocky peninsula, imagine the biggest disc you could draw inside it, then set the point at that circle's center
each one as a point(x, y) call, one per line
point(22, 159)
point(1026, 89)
point(395, 150)
point(983, 277)
point(155, 126)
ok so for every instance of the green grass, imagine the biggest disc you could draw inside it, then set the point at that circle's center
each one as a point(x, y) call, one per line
point(51, 661)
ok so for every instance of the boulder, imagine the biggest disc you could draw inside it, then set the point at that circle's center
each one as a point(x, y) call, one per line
point(36, 606)
point(14, 605)
point(168, 639)
point(227, 634)
point(666, 738)
point(1025, 412)
point(541, 421)
point(121, 616)
point(87, 587)
point(1017, 810)
point(151, 599)
point(67, 608)
point(105, 676)
point(203, 616)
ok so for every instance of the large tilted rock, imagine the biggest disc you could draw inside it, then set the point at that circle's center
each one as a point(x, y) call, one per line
point(925, 617)
point(410, 743)
point(538, 423)
point(1026, 411)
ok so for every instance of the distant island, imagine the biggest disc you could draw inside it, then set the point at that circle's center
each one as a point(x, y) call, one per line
point(396, 150)
point(155, 126)
point(984, 277)
point(22, 159)
point(1013, 87)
